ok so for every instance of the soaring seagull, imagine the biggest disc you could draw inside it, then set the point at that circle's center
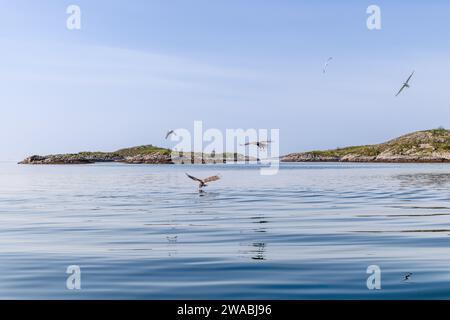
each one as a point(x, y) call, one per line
point(203, 182)
point(326, 64)
point(405, 84)
point(259, 144)
point(169, 133)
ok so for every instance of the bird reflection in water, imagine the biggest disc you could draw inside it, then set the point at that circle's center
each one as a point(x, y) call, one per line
point(407, 276)
point(260, 221)
point(258, 248)
point(258, 251)
point(172, 239)
point(172, 245)
point(208, 194)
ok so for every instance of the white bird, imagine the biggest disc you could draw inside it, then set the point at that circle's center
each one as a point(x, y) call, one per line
point(405, 84)
point(169, 133)
point(259, 144)
point(326, 64)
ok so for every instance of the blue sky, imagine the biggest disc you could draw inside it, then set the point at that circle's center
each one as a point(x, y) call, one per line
point(138, 68)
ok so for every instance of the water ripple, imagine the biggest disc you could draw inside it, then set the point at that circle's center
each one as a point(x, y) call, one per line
point(141, 231)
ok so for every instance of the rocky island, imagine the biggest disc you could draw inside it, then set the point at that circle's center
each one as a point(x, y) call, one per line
point(421, 147)
point(147, 154)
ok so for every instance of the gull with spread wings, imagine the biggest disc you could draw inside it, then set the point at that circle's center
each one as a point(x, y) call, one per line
point(259, 144)
point(405, 84)
point(326, 64)
point(170, 133)
point(203, 182)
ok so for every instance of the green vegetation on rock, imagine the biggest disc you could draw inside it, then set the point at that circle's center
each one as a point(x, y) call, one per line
point(141, 150)
point(421, 146)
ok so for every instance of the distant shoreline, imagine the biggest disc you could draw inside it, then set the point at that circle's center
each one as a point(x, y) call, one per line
point(137, 155)
point(399, 161)
point(430, 146)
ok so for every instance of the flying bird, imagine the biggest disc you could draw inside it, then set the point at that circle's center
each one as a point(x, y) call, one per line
point(407, 276)
point(170, 133)
point(326, 64)
point(203, 182)
point(259, 144)
point(405, 84)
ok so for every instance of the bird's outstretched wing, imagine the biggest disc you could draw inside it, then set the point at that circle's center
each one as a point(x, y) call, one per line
point(212, 178)
point(169, 133)
point(401, 89)
point(409, 78)
point(264, 144)
point(194, 178)
point(326, 64)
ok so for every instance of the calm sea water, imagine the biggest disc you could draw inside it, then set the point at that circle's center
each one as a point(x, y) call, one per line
point(144, 232)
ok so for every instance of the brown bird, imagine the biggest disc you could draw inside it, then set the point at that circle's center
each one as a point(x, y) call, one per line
point(203, 182)
point(259, 144)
